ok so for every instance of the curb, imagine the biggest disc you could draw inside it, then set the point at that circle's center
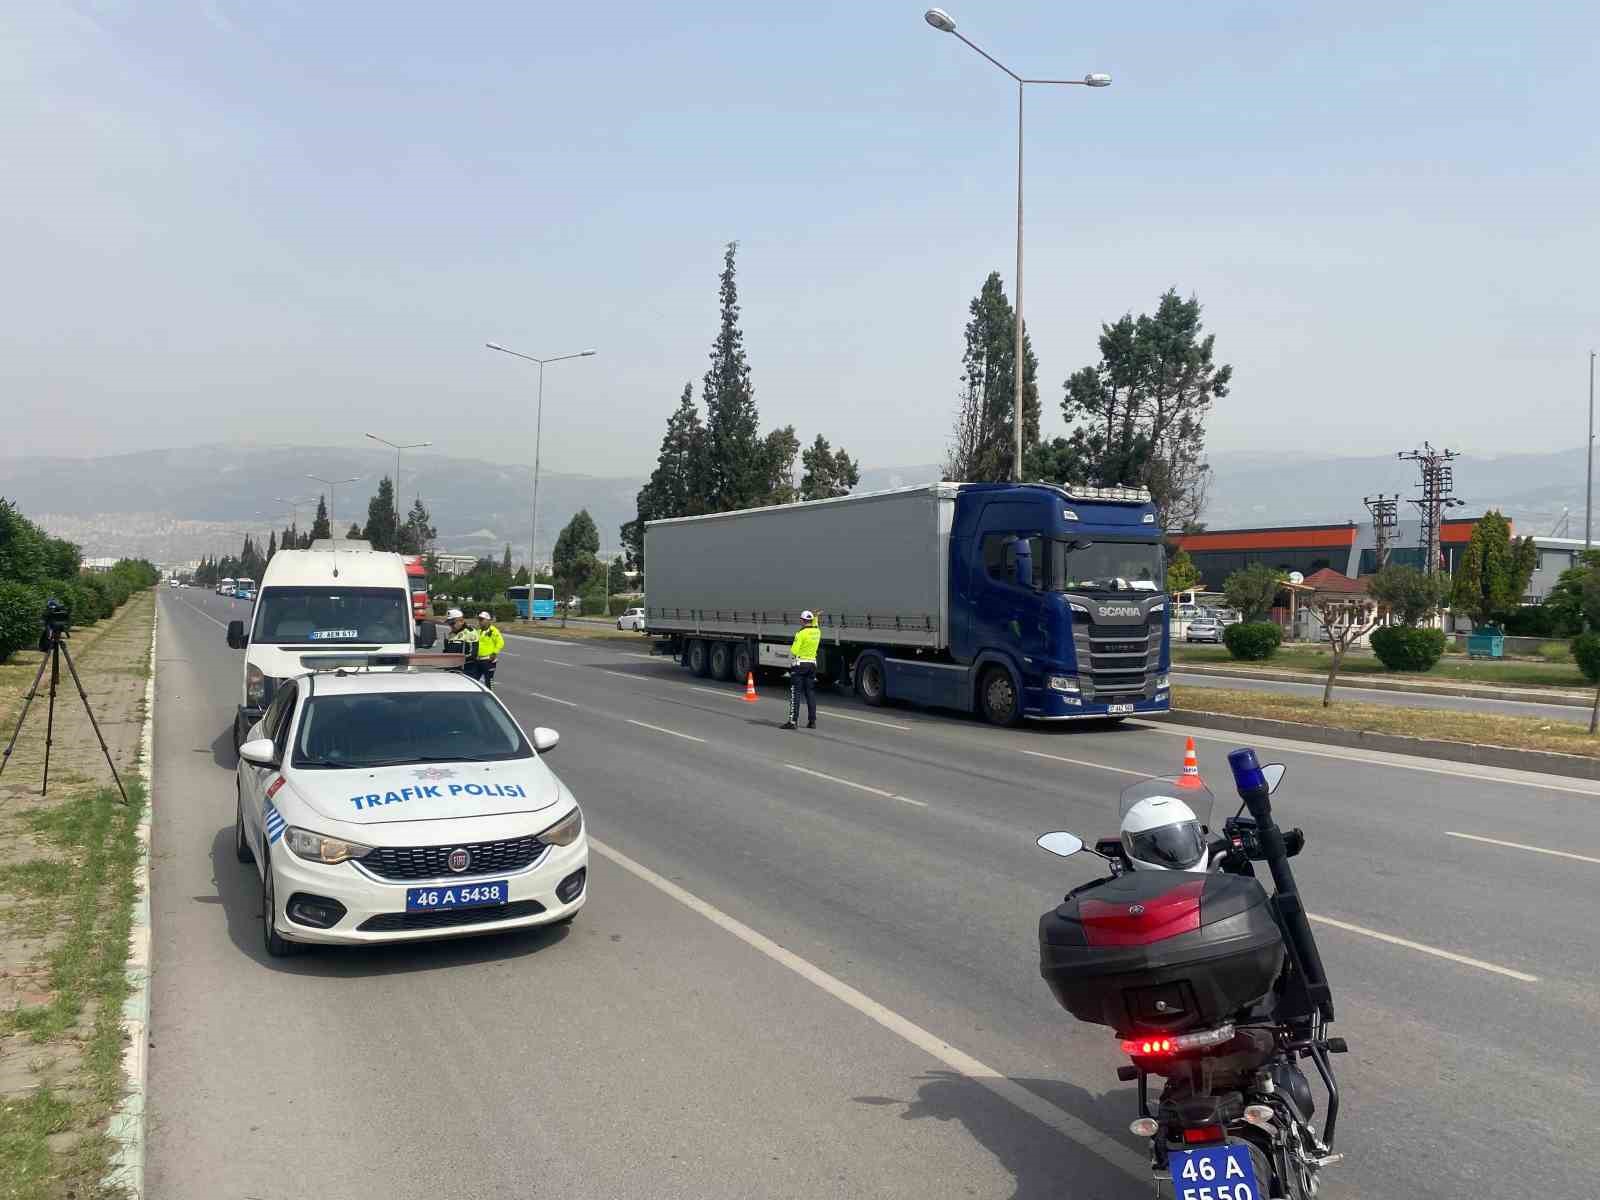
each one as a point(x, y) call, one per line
point(1576, 766)
point(1376, 683)
point(127, 1127)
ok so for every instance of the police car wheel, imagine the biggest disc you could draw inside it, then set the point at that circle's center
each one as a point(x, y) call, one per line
point(277, 947)
point(241, 844)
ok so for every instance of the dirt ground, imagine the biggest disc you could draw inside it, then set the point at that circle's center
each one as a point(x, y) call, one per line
point(65, 872)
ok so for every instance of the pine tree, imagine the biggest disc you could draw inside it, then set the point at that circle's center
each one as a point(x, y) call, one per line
point(383, 521)
point(320, 529)
point(676, 486)
point(272, 545)
point(778, 451)
point(829, 472)
point(354, 532)
point(735, 462)
point(983, 445)
point(505, 563)
point(417, 534)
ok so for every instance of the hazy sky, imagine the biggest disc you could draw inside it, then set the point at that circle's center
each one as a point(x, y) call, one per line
point(295, 222)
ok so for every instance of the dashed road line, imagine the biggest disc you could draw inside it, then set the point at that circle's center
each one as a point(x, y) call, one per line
point(1422, 948)
point(1473, 837)
point(688, 737)
point(858, 786)
point(1083, 762)
point(554, 699)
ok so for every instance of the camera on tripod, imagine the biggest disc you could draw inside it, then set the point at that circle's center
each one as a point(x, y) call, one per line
point(57, 619)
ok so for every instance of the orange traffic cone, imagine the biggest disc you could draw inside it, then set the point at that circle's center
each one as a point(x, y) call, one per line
point(750, 687)
point(1191, 767)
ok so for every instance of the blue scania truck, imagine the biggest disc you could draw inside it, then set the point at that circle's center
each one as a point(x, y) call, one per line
point(1015, 601)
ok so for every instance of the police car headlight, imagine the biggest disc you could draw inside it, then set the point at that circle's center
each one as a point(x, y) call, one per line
point(315, 848)
point(565, 831)
point(1063, 683)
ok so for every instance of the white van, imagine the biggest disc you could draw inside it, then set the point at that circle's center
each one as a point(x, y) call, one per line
point(337, 597)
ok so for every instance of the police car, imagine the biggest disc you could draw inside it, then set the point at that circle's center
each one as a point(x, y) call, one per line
point(391, 804)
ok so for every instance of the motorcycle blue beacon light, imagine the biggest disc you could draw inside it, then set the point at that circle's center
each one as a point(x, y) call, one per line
point(1247, 775)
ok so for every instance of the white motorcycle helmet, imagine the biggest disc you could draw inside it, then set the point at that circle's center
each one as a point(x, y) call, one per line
point(1163, 825)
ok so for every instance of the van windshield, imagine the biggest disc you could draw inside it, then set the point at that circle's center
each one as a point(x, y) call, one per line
point(323, 616)
point(1108, 567)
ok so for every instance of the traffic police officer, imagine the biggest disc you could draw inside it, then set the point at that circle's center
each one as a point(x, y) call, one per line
point(803, 671)
point(490, 642)
point(462, 639)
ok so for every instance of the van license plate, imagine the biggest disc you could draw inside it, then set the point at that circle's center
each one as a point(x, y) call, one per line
point(1115, 709)
point(1215, 1173)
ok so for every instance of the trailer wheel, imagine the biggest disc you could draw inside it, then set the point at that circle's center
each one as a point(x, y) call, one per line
point(869, 681)
point(744, 661)
point(997, 697)
point(721, 661)
point(697, 657)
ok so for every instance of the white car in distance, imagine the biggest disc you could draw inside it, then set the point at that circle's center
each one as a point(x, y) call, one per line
point(383, 806)
point(632, 619)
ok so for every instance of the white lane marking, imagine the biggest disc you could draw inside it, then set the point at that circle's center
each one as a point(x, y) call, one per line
point(688, 737)
point(935, 1047)
point(204, 614)
point(636, 654)
point(1472, 837)
point(725, 693)
point(558, 662)
point(858, 786)
point(1084, 762)
point(1424, 949)
point(1371, 758)
point(554, 699)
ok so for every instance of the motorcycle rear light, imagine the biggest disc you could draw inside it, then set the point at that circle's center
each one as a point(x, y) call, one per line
point(1202, 1135)
point(1177, 1045)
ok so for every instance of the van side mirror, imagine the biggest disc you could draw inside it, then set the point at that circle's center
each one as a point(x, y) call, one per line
point(237, 638)
point(427, 634)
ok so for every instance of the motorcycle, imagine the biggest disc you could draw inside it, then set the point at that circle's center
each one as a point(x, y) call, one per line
point(1214, 986)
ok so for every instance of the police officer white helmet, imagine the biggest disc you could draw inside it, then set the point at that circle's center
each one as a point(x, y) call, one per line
point(1163, 825)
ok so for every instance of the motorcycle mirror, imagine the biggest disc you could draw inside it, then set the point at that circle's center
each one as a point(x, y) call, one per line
point(1273, 773)
point(1063, 844)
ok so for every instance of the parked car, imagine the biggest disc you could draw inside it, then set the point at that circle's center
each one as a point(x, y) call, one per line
point(1203, 629)
point(632, 619)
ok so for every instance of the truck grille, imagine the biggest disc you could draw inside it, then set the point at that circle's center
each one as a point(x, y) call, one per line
point(429, 862)
point(1118, 661)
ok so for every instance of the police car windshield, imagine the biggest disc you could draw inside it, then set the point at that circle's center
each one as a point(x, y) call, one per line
point(396, 728)
point(323, 616)
point(1107, 567)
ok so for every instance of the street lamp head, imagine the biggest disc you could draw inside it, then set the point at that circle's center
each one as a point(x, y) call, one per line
point(586, 354)
point(1097, 79)
point(494, 345)
point(940, 20)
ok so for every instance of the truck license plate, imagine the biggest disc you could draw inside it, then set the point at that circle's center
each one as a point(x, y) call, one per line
point(1115, 709)
point(1215, 1173)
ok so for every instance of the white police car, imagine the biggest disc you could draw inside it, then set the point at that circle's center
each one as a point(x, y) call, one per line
point(385, 806)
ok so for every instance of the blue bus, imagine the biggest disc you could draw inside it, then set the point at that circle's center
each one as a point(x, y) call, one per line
point(544, 600)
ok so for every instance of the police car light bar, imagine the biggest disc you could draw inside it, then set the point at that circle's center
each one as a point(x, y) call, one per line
point(368, 661)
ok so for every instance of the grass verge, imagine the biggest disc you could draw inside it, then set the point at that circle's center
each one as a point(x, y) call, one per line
point(574, 632)
point(1524, 733)
point(1453, 667)
point(52, 1140)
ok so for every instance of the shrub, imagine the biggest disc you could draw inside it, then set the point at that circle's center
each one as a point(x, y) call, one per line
point(1252, 640)
point(21, 607)
point(1404, 648)
point(504, 610)
point(1586, 650)
point(1556, 652)
point(1252, 592)
point(1533, 620)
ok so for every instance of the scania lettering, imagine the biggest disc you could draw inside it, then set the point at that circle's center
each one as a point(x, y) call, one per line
point(1017, 601)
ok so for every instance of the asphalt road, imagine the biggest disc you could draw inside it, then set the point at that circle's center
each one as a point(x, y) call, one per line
point(808, 966)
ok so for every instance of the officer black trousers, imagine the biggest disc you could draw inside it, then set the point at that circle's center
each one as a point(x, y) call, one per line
point(803, 682)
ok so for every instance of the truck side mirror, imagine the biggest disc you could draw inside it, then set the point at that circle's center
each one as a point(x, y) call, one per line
point(237, 638)
point(1019, 560)
point(427, 634)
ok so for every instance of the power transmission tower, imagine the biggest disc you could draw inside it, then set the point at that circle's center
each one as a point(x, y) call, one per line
point(1384, 521)
point(1438, 481)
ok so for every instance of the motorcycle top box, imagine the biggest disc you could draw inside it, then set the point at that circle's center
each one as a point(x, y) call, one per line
point(1161, 951)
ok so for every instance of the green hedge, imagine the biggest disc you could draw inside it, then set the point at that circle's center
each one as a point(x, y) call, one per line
point(1252, 640)
point(21, 610)
point(1586, 651)
point(504, 610)
point(1404, 648)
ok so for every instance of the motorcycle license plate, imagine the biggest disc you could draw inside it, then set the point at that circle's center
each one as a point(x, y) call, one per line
point(1215, 1173)
point(1115, 709)
point(470, 895)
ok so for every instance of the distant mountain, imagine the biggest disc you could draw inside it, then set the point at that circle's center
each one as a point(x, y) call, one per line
point(171, 506)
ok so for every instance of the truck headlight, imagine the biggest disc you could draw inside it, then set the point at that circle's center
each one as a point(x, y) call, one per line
point(565, 831)
point(313, 847)
point(1064, 683)
point(255, 686)
point(1163, 682)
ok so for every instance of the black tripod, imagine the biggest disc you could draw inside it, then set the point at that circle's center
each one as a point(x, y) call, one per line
point(54, 646)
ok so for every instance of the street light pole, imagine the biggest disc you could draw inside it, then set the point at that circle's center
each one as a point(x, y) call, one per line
point(945, 23)
point(398, 447)
point(330, 484)
point(1588, 490)
point(538, 438)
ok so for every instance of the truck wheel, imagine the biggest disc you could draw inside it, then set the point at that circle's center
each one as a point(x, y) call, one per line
point(997, 697)
point(697, 657)
point(870, 683)
point(744, 662)
point(721, 661)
